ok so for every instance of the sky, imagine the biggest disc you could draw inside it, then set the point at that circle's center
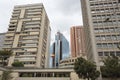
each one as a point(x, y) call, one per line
point(62, 14)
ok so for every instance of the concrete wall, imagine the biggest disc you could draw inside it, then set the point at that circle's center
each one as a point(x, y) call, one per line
point(0, 75)
point(43, 78)
point(110, 79)
point(15, 74)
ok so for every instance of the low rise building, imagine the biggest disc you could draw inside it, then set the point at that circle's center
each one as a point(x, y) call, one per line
point(69, 62)
point(41, 74)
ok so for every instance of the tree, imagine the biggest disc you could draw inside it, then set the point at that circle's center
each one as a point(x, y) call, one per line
point(111, 68)
point(86, 69)
point(17, 64)
point(6, 75)
point(4, 55)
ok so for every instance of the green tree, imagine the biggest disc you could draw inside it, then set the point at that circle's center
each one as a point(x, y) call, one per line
point(4, 55)
point(111, 68)
point(6, 75)
point(17, 64)
point(86, 69)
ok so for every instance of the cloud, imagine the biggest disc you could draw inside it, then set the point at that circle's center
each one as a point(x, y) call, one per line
point(62, 13)
point(69, 7)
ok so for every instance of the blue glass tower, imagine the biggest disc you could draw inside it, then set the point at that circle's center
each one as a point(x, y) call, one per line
point(60, 49)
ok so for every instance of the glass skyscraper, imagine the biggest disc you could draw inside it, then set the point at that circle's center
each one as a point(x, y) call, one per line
point(60, 49)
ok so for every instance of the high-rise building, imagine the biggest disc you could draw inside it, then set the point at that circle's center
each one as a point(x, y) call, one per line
point(101, 21)
point(2, 38)
point(77, 41)
point(28, 35)
point(60, 49)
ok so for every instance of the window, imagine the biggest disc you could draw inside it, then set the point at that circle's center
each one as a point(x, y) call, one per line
point(111, 30)
point(100, 53)
point(106, 30)
point(99, 45)
point(112, 53)
point(101, 30)
point(114, 37)
point(104, 45)
point(118, 37)
point(108, 37)
point(98, 38)
point(103, 37)
point(96, 30)
point(115, 45)
point(118, 53)
point(110, 45)
point(106, 53)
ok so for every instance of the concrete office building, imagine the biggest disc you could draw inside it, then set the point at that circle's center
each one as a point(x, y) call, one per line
point(77, 41)
point(60, 49)
point(2, 38)
point(101, 19)
point(28, 35)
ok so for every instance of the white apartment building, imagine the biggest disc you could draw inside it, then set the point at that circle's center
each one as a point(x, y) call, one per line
point(28, 35)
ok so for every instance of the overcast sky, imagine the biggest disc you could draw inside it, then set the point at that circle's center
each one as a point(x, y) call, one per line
point(62, 14)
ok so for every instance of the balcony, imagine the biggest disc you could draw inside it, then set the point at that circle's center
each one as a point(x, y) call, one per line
point(33, 16)
point(34, 10)
point(6, 46)
point(34, 13)
point(8, 39)
point(16, 12)
point(32, 49)
point(27, 55)
point(29, 41)
point(12, 27)
point(10, 42)
point(9, 34)
point(22, 59)
point(11, 20)
point(32, 26)
point(31, 37)
point(29, 46)
point(36, 30)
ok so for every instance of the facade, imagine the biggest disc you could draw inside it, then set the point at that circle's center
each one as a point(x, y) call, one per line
point(41, 74)
point(60, 49)
point(77, 41)
point(2, 38)
point(28, 35)
point(101, 21)
point(69, 62)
